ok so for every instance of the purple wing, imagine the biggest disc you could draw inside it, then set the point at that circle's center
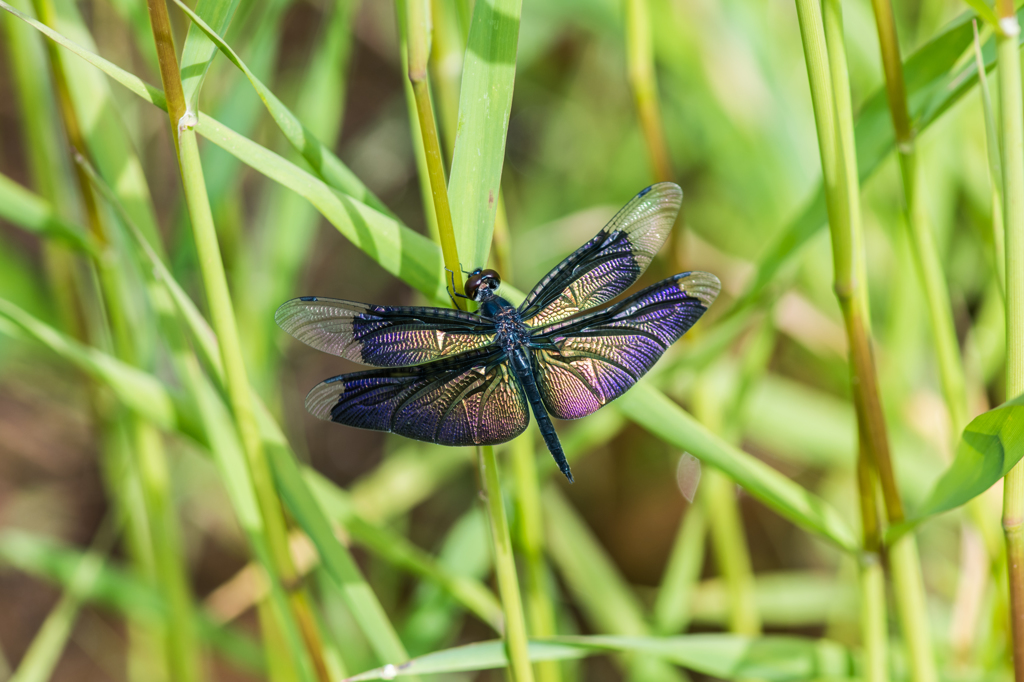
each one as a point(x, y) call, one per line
point(609, 263)
point(472, 399)
point(586, 362)
point(383, 336)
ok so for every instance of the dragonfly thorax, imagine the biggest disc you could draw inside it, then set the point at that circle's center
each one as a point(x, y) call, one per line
point(510, 332)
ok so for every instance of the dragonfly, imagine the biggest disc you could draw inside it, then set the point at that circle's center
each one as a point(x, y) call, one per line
point(461, 378)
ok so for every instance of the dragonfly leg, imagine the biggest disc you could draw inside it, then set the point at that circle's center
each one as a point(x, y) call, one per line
point(453, 292)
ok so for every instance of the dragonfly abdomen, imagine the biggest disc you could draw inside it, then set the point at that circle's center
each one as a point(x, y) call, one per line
point(523, 369)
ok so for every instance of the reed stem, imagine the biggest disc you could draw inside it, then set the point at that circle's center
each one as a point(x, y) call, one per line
point(824, 50)
point(871, 578)
point(1012, 120)
point(994, 164)
point(516, 642)
point(418, 41)
point(540, 612)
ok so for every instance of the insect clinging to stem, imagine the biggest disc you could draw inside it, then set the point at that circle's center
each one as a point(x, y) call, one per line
point(458, 378)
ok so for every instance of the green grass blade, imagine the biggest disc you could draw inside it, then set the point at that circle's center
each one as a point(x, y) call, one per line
point(990, 446)
point(199, 50)
point(109, 145)
point(479, 656)
point(729, 657)
point(485, 102)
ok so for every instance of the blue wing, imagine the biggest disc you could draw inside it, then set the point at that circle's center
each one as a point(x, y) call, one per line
point(471, 399)
point(383, 336)
point(586, 362)
point(609, 263)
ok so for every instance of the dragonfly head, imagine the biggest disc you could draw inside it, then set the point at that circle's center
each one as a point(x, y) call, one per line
point(482, 285)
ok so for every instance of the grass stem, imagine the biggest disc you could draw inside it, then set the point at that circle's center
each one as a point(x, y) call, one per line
point(418, 40)
point(446, 58)
point(994, 164)
point(540, 611)
point(824, 50)
point(1012, 120)
point(516, 643)
point(871, 578)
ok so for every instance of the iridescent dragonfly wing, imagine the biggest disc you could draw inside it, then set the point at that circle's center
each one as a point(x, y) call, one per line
point(609, 263)
point(383, 336)
point(471, 399)
point(584, 363)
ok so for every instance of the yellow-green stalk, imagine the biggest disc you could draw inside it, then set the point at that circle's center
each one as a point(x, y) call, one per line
point(516, 642)
point(1012, 121)
point(540, 612)
point(417, 25)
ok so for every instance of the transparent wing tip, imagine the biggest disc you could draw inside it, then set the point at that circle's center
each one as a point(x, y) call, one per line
point(703, 286)
point(289, 315)
point(324, 396)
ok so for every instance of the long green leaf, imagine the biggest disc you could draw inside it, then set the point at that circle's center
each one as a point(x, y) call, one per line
point(199, 50)
point(989, 447)
point(361, 600)
point(485, 102)
point(778, 659)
